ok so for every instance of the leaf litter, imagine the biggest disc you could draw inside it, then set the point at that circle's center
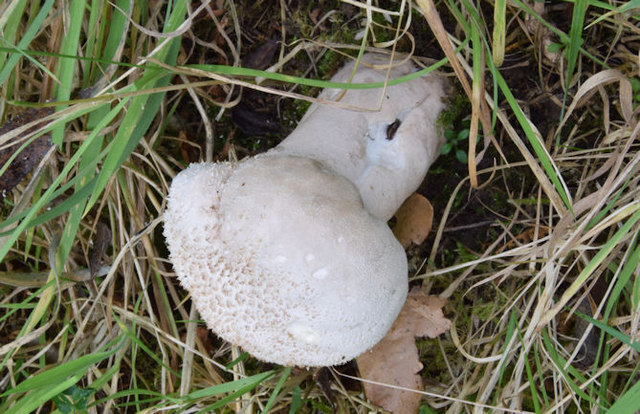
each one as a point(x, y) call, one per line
point(390, 369)
point(414, 220)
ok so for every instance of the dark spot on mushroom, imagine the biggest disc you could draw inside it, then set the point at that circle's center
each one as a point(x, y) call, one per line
point(392, 128)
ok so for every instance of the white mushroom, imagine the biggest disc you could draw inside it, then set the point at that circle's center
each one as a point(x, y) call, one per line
point(282, 259)
point(280, 254)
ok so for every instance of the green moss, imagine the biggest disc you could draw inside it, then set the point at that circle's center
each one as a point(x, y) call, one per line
point(458, 108)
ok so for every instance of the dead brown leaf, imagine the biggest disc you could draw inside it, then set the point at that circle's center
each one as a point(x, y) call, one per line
point(394, 360)
point(101, 243)
point(414, 220)
point(30, 155)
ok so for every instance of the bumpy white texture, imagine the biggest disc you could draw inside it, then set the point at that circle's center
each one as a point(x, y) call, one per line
point(354, 144)
point(282, 259)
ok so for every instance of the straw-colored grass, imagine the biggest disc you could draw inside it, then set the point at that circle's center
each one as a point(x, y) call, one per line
point(544, 287)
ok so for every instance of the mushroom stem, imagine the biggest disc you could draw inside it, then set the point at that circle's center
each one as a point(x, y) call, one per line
point(385, 153)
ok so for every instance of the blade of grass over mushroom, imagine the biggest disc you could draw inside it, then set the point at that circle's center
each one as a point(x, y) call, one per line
point(523, 262)
point(234, 71)
point(254, 73)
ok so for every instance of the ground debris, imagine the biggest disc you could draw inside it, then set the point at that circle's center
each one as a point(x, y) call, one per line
point(414, 220)
point(30, 156)
point(395, 361)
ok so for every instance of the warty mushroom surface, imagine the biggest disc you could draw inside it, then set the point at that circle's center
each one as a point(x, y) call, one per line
point(279, 252)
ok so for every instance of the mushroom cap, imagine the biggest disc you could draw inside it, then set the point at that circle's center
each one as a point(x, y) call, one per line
point(282, 259)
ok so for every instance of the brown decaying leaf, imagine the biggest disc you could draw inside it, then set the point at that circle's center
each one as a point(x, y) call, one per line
point(414, 220)
point(30, 156)
point(394, 360)
point(101, 243)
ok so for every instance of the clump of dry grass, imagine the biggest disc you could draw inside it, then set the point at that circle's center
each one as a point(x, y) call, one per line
point(543, 286)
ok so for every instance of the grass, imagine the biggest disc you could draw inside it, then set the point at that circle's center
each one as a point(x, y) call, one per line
point(549, 267)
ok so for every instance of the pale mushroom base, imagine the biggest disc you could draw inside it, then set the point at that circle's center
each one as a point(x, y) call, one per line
point(282, 259)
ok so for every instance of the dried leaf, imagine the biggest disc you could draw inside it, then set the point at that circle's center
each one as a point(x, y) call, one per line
point(100, 245)
point(314, 15)
point(414, 220)
point(253, 118)
point(261, 57)
point(394, 360)
point(30, 156)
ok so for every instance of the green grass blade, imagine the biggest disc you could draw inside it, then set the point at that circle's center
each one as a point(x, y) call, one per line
point(594, 263)
point(47, 196)
point(621, 9)
point(28, 36)
point(611, 331)
point(226, 387)
point(629, 402)
point(530, 378)
point(135, 340)
point(547, 162)
point(560, 364)
point(274, 394)
point(499, 30)
point(142, 109)
point(12, 21)
point(575, 37)
point(56, 374)
point(67, 67)
point(39, 397)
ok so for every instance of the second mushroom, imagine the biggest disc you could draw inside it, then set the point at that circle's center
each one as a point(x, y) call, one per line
point(288, 254)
